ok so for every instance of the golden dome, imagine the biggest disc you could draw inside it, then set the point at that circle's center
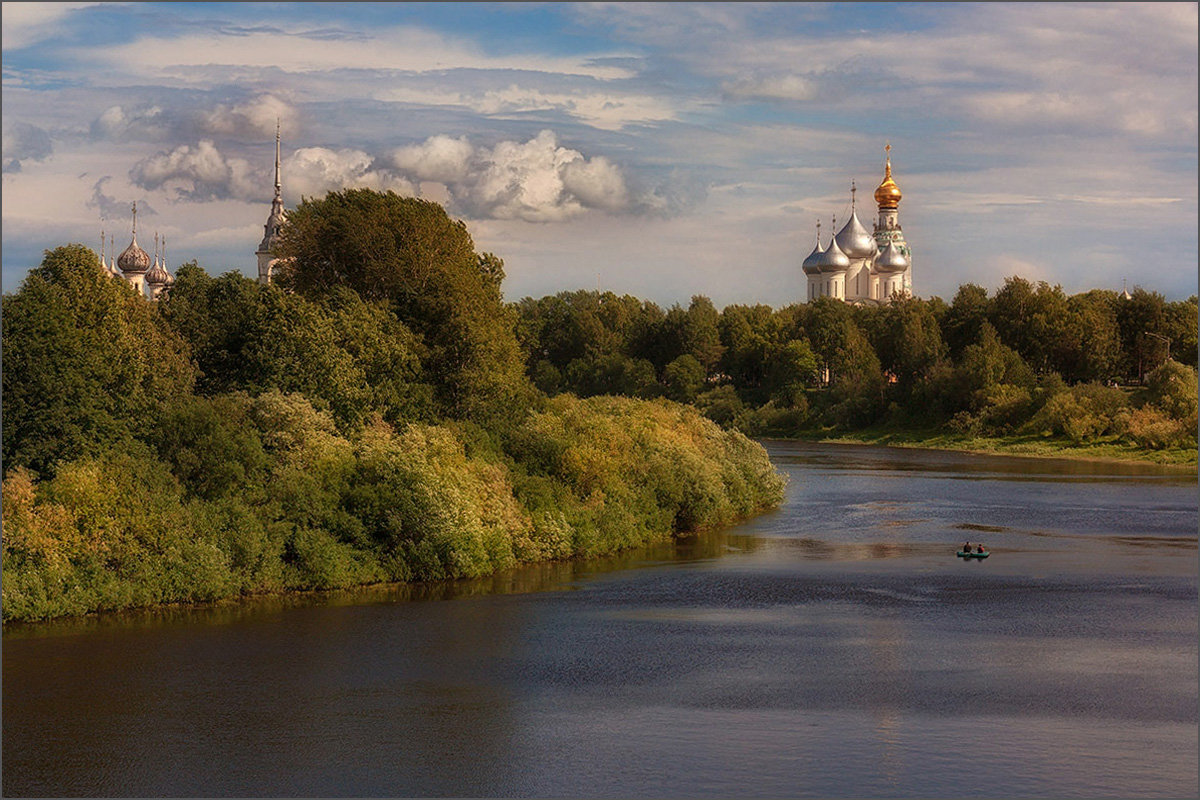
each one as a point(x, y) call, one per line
point(888, 194)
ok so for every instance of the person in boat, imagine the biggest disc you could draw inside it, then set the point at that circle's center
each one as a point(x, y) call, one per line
point(966, 548)
point(979, 549)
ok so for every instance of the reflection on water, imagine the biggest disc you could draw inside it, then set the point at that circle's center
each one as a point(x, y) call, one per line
point(550, 576)
point(835, 647)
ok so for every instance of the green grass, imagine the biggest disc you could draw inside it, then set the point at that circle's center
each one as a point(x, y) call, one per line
point(1107, 448)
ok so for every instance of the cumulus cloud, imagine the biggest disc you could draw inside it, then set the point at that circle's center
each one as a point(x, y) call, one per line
point(438, 158)
point(537, 180)
point(313, 171)
point(198, 172)
point(252, 119)
point(24, 142)
point(141, 123)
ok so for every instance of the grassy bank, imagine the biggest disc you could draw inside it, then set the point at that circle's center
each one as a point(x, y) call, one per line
point(1110, 448)
point(264, 495)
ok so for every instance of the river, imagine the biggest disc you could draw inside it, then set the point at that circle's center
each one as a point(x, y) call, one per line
point(833, 648)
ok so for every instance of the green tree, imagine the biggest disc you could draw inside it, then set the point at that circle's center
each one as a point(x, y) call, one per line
point(965, 317)
point(910, 342)
point(1029, 319)
point(684, 378)
point(409, 253)
point(87, 363)
point(355, 357)
point(1144, 313)
point(1089, 344)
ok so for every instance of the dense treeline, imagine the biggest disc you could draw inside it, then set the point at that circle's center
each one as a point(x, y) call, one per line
point(368, 419)
point(1027, 360)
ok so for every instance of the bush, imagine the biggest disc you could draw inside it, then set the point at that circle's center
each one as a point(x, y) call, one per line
point(1082, 413)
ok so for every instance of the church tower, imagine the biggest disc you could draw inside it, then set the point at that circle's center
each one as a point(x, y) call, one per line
point(274, 223)
point(893, 265)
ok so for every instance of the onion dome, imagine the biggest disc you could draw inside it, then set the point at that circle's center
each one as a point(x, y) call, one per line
point(134, 260)
point(834, 260)
point(891, 260)
point(854, 240)
point(812, 264)
point(888, 194)
point(157, 276)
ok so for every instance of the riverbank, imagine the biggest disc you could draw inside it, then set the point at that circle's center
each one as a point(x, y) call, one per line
point(314, 508)
point(1106, 449)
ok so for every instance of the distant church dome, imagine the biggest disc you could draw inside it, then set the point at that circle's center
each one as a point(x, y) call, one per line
point(834, 260)
point(888, 194)
point(134, 260)
point(812, 264)
point(158, 275)
point(891, 260)
point(854, 240)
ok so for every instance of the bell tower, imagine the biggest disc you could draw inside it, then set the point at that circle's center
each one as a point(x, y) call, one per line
point(266, 261)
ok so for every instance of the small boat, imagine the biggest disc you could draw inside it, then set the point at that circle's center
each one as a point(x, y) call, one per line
point(984, 554)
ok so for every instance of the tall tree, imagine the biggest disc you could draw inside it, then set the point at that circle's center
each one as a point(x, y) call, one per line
point(410, 253)
point(88, 363)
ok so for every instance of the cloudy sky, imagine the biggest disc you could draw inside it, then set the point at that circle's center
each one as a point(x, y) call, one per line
point(661, 150)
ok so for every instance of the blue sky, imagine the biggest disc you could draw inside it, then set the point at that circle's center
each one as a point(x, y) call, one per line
point(661, 150)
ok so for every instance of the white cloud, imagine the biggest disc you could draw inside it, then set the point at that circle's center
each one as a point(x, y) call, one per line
point(197, 172)
point(597, 183)
point(252, 119)
point(780, 86)
point(144, 123)
point(298, 50)
point(439, 158)
point(607, 110)
point(537, 180)
point(24, 142)
point(313, 171)
point(25, 24)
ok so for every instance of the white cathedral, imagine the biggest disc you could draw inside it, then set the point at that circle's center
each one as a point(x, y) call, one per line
point(860, 267)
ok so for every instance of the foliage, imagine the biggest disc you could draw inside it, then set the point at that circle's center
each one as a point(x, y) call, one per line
point(87, 363)
point(354, 357)
point(410, 254)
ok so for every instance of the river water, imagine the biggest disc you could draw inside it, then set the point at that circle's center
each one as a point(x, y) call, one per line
point(835, 647)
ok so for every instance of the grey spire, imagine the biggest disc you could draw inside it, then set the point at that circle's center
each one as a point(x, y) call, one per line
point(278, 183)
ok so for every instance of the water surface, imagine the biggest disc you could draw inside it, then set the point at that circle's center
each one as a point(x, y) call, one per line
point(835, 647)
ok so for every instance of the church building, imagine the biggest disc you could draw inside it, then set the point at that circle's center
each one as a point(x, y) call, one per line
point(151, 278)
point(148, 278)
point(860, 267)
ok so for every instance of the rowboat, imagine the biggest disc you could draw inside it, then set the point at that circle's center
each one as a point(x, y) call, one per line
point(984, 554)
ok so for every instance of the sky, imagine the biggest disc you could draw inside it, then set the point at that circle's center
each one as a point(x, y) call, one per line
point(659, 150)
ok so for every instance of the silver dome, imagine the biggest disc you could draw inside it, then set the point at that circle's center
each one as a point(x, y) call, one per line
point(834, 260)
point(891, 260)
point(854, 240)
point(812, 264)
